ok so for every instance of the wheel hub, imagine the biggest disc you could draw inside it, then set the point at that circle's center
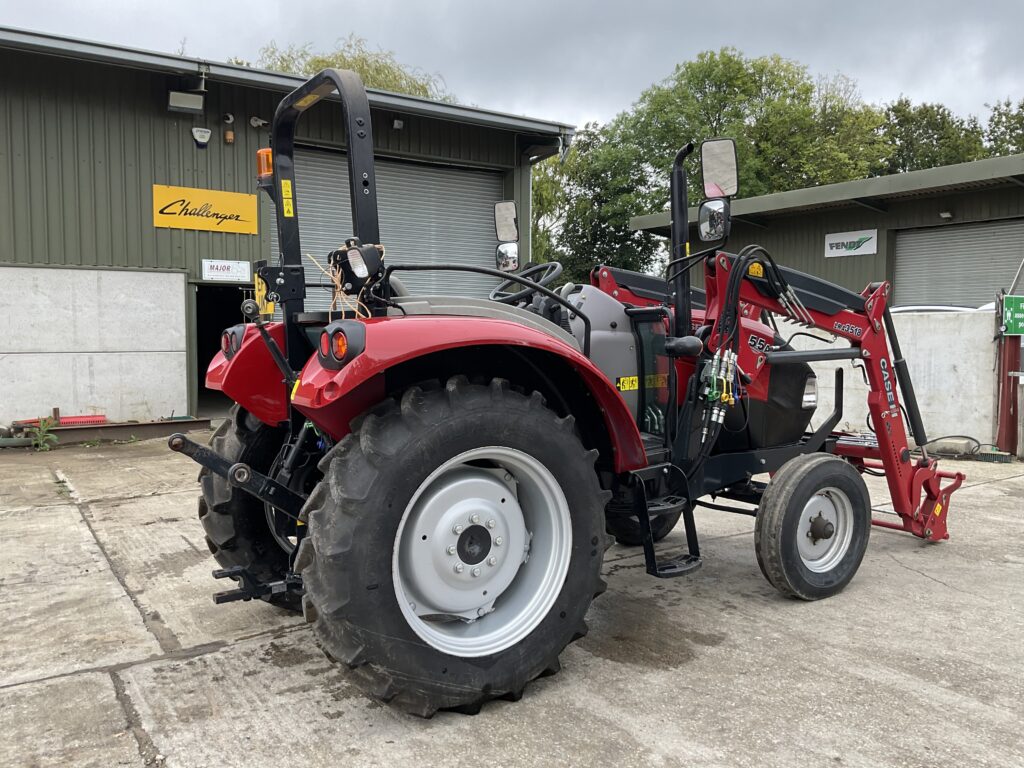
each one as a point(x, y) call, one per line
point(482, 551)
point(821, 529)
point(825, 530)
point(468, 539)
point(474, 545)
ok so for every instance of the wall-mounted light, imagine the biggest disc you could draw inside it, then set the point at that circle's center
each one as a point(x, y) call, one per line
point(229, 132)
point(398, 124)
point(180, 101)
point(945, 215)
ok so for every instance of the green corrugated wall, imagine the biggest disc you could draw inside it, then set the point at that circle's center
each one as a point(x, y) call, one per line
point(81, 145)
point(797, 240)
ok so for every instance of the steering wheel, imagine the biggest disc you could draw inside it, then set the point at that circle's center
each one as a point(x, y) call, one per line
point(548, 272)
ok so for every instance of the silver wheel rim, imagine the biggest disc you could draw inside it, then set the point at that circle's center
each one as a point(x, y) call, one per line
point(504, 507)
point(825, 530)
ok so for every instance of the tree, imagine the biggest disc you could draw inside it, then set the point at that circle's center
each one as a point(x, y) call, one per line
point(378, 68)
point(791, 132)
point(929, 135)
point(1005, 132)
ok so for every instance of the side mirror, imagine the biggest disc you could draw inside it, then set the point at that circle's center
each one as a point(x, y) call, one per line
point(718, 165)
point(506, 257)
point(506, 222)
point(713, 220)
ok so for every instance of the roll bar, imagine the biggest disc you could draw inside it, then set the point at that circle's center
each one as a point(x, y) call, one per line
point(355, 110)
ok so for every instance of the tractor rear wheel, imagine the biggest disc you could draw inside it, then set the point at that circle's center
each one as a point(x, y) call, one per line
point(454, 547)
point(236, 523)
point(812, 527)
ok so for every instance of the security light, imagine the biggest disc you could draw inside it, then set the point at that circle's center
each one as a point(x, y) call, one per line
point(946, 215)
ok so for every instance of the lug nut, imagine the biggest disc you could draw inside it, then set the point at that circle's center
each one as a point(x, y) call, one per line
point(492, 560)
point(450, 550)
point(476, 571)
point(498, 541)
point(456, 529)
point(491, 523)
point(474, 519)
point(459, 567)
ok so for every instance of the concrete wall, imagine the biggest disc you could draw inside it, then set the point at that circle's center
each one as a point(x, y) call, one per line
point(951, 357)
point(92, 341)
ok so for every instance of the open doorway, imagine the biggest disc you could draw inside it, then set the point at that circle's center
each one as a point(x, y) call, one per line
point(217, 307)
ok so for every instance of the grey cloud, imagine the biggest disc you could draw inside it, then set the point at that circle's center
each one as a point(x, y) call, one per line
point(574, 60)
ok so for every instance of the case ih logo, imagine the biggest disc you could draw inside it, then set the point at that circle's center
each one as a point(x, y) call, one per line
point(849, 245)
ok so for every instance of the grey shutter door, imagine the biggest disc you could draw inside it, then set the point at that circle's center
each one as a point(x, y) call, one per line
point(963, 264)
point(427, 215)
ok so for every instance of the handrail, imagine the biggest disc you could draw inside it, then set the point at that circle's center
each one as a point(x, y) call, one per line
point(504, 276)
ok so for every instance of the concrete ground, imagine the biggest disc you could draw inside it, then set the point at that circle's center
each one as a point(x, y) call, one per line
point(112, 652)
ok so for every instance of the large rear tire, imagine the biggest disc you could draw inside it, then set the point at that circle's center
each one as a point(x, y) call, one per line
point(454, 547)
point(812, 527)
point(235, 522)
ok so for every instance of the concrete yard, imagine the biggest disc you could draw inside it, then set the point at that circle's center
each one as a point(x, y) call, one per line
point(112, 652)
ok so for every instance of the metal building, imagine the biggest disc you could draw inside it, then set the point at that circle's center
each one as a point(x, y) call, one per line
point(129, 216)
point(944, 236)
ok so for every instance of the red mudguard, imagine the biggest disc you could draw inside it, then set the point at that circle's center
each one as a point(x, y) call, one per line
point(250, 377)
point(331, 399)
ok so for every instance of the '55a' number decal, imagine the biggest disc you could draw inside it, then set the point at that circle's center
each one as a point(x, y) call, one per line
point(757, 343)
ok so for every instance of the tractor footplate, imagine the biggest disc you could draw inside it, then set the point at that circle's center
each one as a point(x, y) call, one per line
point(250, 588)
point(644, 510)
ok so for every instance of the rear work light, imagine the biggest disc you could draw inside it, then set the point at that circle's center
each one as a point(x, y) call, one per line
point(339, 345)
point(231, 340)
point(340, 342)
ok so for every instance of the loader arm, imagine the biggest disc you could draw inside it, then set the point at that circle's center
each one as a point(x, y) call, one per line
point(915, 483)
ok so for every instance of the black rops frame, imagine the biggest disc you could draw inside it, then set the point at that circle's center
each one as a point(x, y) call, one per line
point(287, 278)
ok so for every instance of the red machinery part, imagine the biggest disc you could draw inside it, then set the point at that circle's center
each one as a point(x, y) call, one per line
point(915, 485)
point(319, 393)
point(251, 378)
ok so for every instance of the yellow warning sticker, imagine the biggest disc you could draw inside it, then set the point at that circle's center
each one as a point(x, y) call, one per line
point(656, 380)
point(286, 188)
point(755, 270)
point(307, 101)
point(266, 307)
point(938, 508)
point(627, 383)
point(288, 207)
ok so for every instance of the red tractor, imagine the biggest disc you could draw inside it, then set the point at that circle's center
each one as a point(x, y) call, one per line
point(432, 479)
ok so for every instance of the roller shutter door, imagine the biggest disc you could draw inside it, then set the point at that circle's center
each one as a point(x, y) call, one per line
point(965, 264)
point(427, 214)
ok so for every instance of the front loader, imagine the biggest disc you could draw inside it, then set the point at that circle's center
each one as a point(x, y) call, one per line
point(433, 480)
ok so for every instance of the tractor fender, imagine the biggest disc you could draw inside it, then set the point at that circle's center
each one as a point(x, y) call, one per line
point(332, 398)
point(250, 377)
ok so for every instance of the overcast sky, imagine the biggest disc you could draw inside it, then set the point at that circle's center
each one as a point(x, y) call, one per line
point(581, 60)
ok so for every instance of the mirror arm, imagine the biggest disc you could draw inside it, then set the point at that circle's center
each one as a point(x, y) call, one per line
point(682, 304)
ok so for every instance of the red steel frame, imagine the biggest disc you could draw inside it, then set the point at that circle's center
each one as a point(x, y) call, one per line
point(915, 484)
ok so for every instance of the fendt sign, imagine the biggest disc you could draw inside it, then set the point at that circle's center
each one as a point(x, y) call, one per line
point(863, 242)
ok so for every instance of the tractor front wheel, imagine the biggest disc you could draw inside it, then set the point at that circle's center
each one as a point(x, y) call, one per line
point(454, 547)
point(812, 527)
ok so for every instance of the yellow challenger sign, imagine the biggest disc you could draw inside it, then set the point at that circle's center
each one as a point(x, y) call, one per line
point(205, 209)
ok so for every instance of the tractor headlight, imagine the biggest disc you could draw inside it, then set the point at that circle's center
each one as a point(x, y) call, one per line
point(810, 398)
